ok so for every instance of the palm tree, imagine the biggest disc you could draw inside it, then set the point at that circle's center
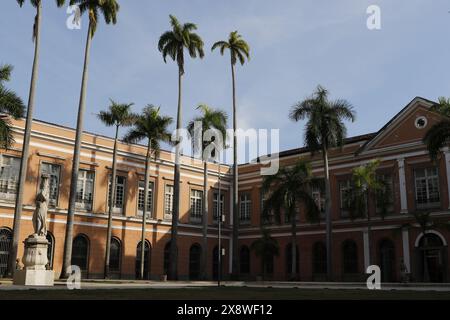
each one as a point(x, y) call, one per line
point(266, 248)
point(289, 188)
point(10, 105)
point(117, 115)
point(239, 50)
point(367, 185)
point(324, 130)
point(215, 120)
point(27, 134)
point(438, 135)
point(109, 9)
point(152, 126)
point(172, 43)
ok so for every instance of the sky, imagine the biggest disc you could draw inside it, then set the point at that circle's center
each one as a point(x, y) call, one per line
point(295, 46)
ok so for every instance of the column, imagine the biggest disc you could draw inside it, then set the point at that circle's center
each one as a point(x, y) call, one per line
point(366, 249)
point(405, 241)
point(447, 168)
point(402, 181)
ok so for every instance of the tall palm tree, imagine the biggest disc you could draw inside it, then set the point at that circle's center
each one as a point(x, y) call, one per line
point(438, 135)
point(239, 50)
point(27, 134)
point(216, 120)
point(117, 115)
point(152, 126)
point(289, 188)
point(266, 248)
point(324, 130)
point(94, 8)
point(366, 185)
point(10, 105)
point(172, 43)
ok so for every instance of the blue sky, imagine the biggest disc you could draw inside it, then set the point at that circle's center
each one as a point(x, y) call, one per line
point(295, 45)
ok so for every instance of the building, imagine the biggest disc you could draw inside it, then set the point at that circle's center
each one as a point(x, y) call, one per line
point(416, 184)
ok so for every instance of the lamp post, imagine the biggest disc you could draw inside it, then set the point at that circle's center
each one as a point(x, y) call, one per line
point(219, 221)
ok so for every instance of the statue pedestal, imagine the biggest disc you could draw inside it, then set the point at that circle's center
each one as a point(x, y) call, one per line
point(34, 259)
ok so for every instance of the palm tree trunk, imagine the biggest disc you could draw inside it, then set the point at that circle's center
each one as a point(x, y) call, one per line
point(173, 259)
point(76, 160)
point(205, 219)
point(329, 230)
point(146, 181)
point(112, 196)
point(369, 236)
point(426, 273)
point(26, 143)
point(293, 247)
point(235, 257)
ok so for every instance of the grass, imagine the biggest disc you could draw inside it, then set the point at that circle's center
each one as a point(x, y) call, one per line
point(224, 293)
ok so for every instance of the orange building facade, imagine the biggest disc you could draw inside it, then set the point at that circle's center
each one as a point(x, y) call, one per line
point(416, 184)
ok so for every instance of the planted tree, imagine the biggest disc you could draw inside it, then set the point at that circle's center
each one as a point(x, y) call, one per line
point(37, 4)
point(288, 191)
point(239, 51)
point(438, 136)
point(266, 248)
point(118, 115)
point(324, 130)
point(93, 8)
point(153, 127)
point(173, 44)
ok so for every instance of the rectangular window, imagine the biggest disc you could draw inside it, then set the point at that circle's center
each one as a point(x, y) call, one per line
point(54, 171)
point(196, 205)
point(267, 219)
point(245, 208)
point(168, 202)
point(149, 211)
point(119, 195)
point(344, 193)
point(427, 187)
point(385, 196)
point(9, 177)
point(215, 205)
point(287, 218)
point(319, 198)
point(85, 190)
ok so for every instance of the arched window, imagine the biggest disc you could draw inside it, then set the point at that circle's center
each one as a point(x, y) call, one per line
point(350, 256)
point(194, 261)
point(114, 255)
point(50, 249)
point(167, 257)
point(147, 256)
point(5, 246)
point(80, 252)
point(387, 260)
point(319, 258)
point(215, 264)
point(288, 255)
point(244, 259)
point(432, 262)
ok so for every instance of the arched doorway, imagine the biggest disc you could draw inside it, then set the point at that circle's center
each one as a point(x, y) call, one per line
point(5, 246)
point(432, 263)
point(349, 259)
point(50, 249)
point(319, 261)
point(147, 255)
point(195, 254)
point(244, 260)
point(288, 255)
point(80, 253)
point(215, 264)
point(386, 262)
point(115, 257)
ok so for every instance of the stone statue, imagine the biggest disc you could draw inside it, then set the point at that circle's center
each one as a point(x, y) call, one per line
point(40, 214)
